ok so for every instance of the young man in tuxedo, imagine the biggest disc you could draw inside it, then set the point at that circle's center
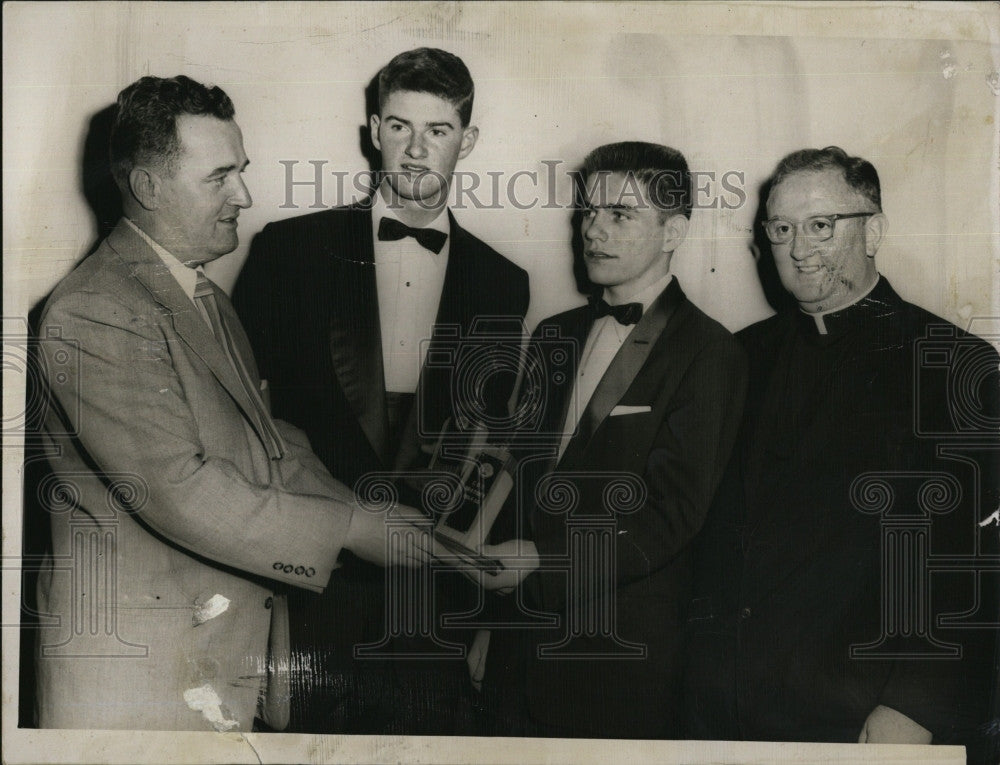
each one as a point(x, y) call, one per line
point(338, 305)
point(640, 431)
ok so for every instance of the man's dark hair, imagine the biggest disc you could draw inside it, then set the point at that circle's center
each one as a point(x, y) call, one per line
point(860, 174)
point(429, 70)
point(145, 125)
point(661, 170)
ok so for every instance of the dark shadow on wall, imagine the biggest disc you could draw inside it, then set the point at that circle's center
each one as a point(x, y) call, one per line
point(767, 272)
point(583, 284)
point(97, 184)
point(101, 193)
point(35, 528)
point(368, 150)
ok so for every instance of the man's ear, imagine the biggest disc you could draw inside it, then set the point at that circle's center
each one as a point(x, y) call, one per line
point(469, 137)
point(875, 229)
point(674, 230)
point(373, 124)
point(145, 186)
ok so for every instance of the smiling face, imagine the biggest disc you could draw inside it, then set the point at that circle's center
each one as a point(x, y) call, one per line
point(823, 275)
point(421, 138)
point(198, 199)
point(627, 243)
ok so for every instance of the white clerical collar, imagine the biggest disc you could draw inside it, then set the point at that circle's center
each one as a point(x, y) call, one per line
point(818, 317)
point(645, 296)
point(185, 276)
point(382, 209)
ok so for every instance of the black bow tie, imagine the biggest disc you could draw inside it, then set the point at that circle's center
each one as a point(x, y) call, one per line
point(390, 229)
point(626, 313)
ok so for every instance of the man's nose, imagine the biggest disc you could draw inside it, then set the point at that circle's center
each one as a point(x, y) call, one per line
point(416, 147)
point(241, 194)
point(800, 246)
point(593, 228)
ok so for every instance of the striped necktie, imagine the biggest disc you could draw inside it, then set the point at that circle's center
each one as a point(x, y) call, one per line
point(206, 294)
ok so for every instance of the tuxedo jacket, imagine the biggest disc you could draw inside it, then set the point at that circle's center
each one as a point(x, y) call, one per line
point(662, 419)
point(307, 296)
point(169, 521)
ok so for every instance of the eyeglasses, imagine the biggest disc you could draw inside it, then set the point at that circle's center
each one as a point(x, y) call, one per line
point(817, 227)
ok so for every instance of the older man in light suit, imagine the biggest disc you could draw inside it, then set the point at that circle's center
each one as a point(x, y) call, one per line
point(181, 501)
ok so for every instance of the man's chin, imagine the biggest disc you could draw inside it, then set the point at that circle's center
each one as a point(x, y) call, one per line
point(223, 248)
point(602, 277)
point(807, 295)
point(813, 303)
point(409, 197)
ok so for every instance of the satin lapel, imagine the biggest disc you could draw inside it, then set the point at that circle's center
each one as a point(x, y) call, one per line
point(456, 305)
point(151, 272)
point(355, 333)
point(559, 397)
point(626, 365)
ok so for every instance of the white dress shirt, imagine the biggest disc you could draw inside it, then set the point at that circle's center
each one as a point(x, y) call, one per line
point(409, 280)
point(606, 338)
point(185, 276)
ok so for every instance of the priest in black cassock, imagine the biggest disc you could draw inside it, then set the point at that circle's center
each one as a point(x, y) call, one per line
point(846, 584)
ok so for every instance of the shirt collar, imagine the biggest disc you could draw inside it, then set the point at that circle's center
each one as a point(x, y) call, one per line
point(381, 209)
point(186, 277)
point(871, 305)
point(646, 296)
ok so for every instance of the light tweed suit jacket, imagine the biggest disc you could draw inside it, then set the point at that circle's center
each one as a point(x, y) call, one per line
point(170, 523)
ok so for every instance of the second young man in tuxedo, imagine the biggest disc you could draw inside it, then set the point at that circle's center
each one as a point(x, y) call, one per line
point(337, 305)
point(641, 428)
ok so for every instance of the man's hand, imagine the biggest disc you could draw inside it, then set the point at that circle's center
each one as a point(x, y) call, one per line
point(887, 726)
point(476, 658)
point(403, 537)
point(519, 558)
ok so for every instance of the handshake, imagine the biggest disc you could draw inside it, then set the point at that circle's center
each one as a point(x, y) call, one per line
point(467, 486)
point(410, 539)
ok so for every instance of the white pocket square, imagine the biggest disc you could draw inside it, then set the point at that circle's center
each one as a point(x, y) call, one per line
point(620, 410)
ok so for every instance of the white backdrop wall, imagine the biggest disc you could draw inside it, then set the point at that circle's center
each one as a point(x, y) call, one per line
point(734, 88)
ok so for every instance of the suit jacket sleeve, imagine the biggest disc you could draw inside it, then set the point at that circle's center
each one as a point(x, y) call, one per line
point(133, 416)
